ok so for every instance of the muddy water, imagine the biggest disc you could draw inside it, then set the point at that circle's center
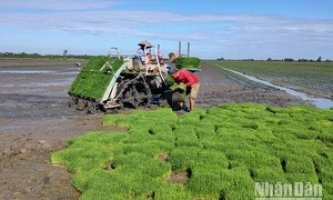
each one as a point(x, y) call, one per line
point(34, 122)
point(318, 102)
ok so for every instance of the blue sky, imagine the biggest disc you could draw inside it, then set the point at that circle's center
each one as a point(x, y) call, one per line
point(257, 29)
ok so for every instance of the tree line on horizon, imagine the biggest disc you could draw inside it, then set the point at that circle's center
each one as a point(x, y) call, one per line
point(65, 55)
point(37, 55)
point(319, 59)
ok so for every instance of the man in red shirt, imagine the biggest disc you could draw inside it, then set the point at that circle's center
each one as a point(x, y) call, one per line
point(191, 81)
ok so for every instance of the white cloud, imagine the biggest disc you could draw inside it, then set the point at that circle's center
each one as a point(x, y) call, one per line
point(56, 5)
point(230, 32)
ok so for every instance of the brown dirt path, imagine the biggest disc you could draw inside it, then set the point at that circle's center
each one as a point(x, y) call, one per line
point(216, 88)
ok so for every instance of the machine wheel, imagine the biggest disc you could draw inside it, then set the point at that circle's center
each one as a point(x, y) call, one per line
point(178, 96)
point(135, 95)
point(71, 101)
point(91, 107)
point(81, 105)
point(130, 98)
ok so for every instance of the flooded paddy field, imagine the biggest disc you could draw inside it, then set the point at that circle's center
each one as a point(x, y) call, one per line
point(315, 79)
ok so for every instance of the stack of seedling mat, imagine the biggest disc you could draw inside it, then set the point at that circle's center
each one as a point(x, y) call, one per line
point(189, 63)
point(94, 77)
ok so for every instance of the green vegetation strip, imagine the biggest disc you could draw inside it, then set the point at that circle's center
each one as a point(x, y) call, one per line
point(310, 77)
point(223, 151)
point(187, 63)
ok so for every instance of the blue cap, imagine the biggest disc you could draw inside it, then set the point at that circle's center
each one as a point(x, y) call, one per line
point(171, 70)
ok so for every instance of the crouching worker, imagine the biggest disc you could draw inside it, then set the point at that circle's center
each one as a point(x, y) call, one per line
point(192, 83)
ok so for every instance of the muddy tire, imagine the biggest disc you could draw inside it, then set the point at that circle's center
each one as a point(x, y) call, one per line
point(72, 101)
point(92, 107)
point(178, 96)
point(81, 104)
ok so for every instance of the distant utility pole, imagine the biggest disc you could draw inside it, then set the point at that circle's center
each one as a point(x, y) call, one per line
point(180, 49)
point(65, 53)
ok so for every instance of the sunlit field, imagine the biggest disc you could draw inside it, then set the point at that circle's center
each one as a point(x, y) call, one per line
point(315, 78)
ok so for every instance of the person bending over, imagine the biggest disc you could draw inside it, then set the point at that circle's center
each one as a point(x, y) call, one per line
point(192, 83)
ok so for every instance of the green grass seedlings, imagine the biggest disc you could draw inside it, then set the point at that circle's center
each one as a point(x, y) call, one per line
point(91, 82)
point(215, 153)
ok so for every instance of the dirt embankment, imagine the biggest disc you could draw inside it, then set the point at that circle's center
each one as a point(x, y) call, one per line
point(35, 121)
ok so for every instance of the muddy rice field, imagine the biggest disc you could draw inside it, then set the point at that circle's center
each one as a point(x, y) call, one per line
point(35, 121)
